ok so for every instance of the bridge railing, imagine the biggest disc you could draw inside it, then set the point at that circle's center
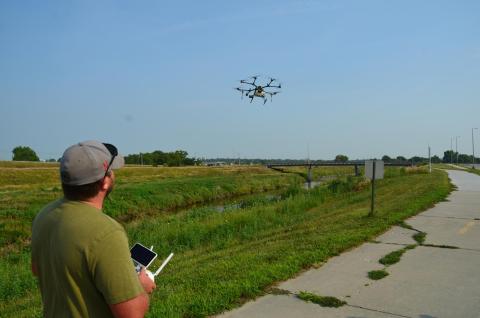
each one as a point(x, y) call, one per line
point(333, 164)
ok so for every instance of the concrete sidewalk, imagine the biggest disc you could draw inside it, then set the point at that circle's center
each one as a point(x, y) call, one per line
point(429, 281)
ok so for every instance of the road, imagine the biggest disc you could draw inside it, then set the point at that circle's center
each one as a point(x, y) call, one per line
point(432, 280)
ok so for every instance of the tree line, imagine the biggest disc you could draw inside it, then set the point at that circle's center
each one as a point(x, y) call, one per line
point(181, 158)
point(160, 158)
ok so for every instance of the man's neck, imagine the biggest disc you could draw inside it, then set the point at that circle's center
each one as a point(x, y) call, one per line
point(96, 202)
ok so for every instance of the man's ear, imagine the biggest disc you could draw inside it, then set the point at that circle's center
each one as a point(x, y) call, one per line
point(106, 183)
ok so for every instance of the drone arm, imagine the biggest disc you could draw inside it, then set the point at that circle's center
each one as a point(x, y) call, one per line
point(272, 86)
point(245, 82)
point(244, 90)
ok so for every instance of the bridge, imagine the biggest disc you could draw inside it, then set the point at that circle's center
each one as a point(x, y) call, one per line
point(356, 164)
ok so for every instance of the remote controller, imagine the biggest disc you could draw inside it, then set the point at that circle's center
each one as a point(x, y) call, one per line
point(143, 257)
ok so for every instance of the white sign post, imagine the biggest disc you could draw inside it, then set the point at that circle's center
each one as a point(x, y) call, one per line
point(373, 170)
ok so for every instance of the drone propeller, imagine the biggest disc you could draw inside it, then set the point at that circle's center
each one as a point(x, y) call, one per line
point(271, 94)
point(240, 90)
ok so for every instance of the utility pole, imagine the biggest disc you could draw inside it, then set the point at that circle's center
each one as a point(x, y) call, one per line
point(141, 159)
point(456, 146)
point(429, 160)
point(309, 167)
point(473, 150)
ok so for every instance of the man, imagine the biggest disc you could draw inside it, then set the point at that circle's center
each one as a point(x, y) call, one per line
point(79, 254)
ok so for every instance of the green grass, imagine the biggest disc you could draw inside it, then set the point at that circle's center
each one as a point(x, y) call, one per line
point(420, 237)
point(27, 164)
point(392, 258)
point(133, 201)
point(405, 225)
point(474, 171)
point(324, 301)
point(29, 176)
point(378, 274)
point(395, 256)
point(223, 259)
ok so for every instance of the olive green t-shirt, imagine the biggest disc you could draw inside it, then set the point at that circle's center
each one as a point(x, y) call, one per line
point(83, 261)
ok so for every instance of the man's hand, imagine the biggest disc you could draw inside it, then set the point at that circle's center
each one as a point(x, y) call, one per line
point(147, 283)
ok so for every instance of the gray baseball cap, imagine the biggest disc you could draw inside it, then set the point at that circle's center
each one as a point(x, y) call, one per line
point(88, 161)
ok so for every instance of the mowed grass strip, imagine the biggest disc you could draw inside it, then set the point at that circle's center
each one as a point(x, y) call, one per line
point(41, 175)
point(223, 259)
point(27, 164)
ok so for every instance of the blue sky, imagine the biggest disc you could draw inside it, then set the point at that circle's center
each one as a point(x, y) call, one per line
point(361, 78)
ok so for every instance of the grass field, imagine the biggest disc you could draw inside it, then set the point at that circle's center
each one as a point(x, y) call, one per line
point(222, 259)
point(139, 192)
point(27, 164)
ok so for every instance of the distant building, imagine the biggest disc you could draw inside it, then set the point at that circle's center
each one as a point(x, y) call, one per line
point(214, 163)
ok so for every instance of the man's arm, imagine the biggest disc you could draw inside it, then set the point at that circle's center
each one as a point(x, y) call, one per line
point(138, 306)
point(133, 308)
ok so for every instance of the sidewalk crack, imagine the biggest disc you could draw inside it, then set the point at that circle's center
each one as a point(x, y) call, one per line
point(379, 311)
point(449, 217)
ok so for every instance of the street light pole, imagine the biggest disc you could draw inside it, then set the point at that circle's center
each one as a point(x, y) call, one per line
point(451, 150)
point(473, 150)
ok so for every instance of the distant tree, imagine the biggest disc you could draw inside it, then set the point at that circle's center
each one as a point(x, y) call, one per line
point(341, 158)
point(51, 160)
point(386, 158)
point(160, 158)
point(401, 158)
point(449, 156)
point(436, 159)
point(463, 158)
point(417, 159)
point(22, 153)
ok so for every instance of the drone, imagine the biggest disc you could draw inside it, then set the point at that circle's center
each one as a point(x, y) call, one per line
point(252, 90)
